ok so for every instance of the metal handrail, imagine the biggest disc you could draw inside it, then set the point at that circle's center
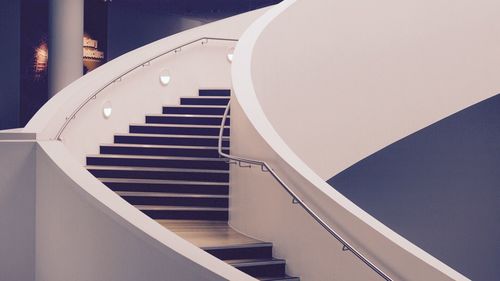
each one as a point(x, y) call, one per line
point(295, 198)
point(204, 40)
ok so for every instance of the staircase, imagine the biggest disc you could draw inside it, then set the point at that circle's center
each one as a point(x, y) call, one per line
point(169, 168)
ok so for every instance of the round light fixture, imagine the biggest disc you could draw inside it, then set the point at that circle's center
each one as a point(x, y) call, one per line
point(107, 109)
point(230, 54)
point(165, 77)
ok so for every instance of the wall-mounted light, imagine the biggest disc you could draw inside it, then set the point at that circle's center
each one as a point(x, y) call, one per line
point(107, 109)
point(230, 54)
point(165, 77)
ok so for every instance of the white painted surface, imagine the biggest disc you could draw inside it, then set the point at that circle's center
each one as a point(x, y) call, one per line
point(76, 228)
point(140, 92)
point(372, 73)
point(17, 210)
point(16, 134)
point(85, 230)
point(334, 95)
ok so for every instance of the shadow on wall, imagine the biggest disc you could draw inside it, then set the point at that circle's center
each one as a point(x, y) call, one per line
point(440, 189)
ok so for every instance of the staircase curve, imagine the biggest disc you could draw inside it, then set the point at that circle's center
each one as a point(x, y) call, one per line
point(83, 228)
point(319, 86)
point(76, 227)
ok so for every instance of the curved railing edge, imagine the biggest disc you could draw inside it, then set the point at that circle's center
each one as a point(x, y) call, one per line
point(346, 246)
point(119, 77)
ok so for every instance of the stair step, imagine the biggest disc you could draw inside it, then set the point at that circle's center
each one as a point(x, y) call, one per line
point(175, 199)
point(245, 251)
point(178, 129)
point(157, 161)
point(169, 168)
point(194, 109)
point(184, 213)
point(214, 92)
point(185, 119)
point(188, 140)
point(205, 100)
point(166, 194)
point(284, 278)
point(162, 150)
point(159, 173)
point(261, 268)
point(171, 186)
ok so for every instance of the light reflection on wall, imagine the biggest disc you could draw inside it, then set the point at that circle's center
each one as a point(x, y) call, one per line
point(92, 56)
point(41, 59)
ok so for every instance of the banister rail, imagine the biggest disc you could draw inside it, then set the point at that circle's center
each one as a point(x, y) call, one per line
point(203, 40)
point(295, 198)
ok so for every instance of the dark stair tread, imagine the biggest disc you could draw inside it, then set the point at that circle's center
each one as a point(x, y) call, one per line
point(176, 125)
point(155, 157)
point(181, 174)
point(160, 146)
point(283, 278)
point(260, 250)
point(236, 246)
point(179, 208)
point(194, 109)
point(170, 136)
point(171, 139)
point(174, 143)
point(205, 97)
point(154, 169)
point(157, 161)
point(214, 92)
point(185, 119)
point(168, 194)
point(170, 186)
point(159, 181)
point(194, 105)
point(205, 100)
point(255, 262)
point(183, 115)
point(159, 212)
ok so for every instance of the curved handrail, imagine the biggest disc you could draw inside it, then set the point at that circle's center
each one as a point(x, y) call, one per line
point(296, 199)
point(204, 40)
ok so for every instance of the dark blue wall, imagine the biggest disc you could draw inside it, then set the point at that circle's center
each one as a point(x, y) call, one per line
point(34, 33)
point(131, 25)
point(10, 31)
point(134, 23)
point(440, 189)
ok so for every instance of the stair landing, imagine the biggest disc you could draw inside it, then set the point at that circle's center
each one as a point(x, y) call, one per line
point(207, 233)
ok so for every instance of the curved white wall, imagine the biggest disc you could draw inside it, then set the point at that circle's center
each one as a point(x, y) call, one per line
point(85, 230)
point(81, 229)
point(335, 81)
point(340, 80)
point(140, 92)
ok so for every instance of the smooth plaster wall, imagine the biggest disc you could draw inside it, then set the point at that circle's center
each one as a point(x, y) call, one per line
point(17, 210)
point(195, 67)
point(356, 85)
point(84, 229)
point(372, 72)
point(10, 32)
point(80, 238)
point(439, 188)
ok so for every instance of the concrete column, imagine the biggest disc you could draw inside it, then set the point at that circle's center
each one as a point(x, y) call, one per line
point(65, 43)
